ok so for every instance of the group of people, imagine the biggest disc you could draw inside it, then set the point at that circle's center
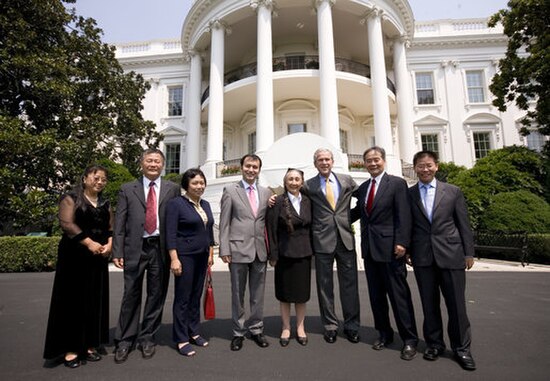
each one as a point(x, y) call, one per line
point(157, 229)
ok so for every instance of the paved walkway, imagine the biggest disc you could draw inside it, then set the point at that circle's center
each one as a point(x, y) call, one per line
point(508, 306)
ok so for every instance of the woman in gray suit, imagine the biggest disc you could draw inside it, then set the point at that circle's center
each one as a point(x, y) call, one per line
point(289, 232)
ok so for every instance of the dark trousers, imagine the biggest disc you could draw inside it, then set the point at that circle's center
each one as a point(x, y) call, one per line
point(346, 262)
point(452, 283)
point(155, 268)
point(187, 296)
point(388, 280)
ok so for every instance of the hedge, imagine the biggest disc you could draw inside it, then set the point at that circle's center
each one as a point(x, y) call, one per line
point(36, 254)
point(28, 254)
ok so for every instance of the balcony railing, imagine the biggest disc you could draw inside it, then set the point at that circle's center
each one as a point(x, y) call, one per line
point(296, 63)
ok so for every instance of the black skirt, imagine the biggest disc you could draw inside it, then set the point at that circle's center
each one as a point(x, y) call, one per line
point(293, 279)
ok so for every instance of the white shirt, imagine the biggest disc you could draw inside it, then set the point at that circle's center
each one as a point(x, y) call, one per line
point(295, 201)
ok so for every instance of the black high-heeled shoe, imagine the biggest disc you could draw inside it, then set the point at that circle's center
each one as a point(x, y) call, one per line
point(302, 340)
point(284, 341)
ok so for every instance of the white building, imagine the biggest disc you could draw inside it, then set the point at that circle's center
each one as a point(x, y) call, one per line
point(255, 75)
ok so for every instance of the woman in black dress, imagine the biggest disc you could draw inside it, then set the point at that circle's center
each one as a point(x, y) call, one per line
point(289, 232)
point(79, 311)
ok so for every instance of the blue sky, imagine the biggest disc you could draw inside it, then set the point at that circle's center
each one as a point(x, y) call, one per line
point(140, 20)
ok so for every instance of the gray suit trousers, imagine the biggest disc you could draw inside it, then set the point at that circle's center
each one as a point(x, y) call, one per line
point(346, 263)
point(240, 272)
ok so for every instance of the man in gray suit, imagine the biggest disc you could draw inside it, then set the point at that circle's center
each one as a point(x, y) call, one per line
point(442, 248)
point(139, 248)
point(243, 247)
point(330, 195)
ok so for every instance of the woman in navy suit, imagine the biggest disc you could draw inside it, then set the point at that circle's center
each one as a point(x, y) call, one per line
point(190, 241)
point(289, 230)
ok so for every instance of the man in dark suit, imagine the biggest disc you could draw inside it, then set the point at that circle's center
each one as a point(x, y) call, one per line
point(243, 247)
point(442, 247)
point(385, 235)
point(330, 195)
point(139, 248)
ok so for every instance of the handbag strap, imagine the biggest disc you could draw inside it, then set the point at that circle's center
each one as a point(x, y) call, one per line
point(208, 280)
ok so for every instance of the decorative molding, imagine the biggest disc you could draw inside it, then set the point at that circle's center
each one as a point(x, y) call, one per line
point(371, 13)
point(219, 24)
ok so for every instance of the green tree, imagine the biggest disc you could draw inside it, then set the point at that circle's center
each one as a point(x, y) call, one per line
point(65, 101)
point(524, 72)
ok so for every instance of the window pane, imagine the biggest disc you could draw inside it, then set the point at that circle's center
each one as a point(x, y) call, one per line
point(535, 141)
point(474, 82)
point(252, 142)
point(296, 127)
point(482, 144)
point(175, 97)
point(173, 158)
point(344, 141)
point(424, 88)
point(430, 142)
point(295, 62)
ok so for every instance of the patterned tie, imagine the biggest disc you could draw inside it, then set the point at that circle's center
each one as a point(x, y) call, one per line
point(151, 210)
point(370, 197)
point(252, 200)
point(330, 194)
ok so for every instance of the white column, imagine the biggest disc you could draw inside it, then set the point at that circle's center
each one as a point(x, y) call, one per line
point(404, 100)
point(194, 112)
point(214, 146)
point(264, 80)
point(327, 74)
point(381, 108)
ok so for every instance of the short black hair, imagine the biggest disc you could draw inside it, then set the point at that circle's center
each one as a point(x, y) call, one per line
point(251, 156)
point(420, 154)
point(149, 151)
point(380, 150)
point(189, 174)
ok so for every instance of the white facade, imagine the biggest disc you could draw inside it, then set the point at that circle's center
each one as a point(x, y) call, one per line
point(247, 73)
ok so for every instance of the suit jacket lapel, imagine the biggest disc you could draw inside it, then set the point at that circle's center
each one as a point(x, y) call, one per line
point(139, 192)
point(242, 193)
point(380, 191)
point(439, 194)
point(163, 191)
point(418, 201)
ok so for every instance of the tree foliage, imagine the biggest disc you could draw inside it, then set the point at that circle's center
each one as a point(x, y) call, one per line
point(509, 169)
point(524, 72)
point(65, 101)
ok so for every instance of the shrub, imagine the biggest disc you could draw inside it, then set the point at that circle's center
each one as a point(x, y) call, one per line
point(28, 254)
point(538, 247)
point(520, 210)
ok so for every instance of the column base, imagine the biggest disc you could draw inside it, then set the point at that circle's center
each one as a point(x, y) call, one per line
point(210, 169)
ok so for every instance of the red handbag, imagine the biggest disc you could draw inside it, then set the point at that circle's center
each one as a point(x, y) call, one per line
point(209, 305)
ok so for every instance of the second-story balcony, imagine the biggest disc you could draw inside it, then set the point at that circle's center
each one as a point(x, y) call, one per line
point(297, 63)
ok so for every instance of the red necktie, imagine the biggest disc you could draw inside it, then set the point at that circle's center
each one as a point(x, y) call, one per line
point(370, 197)
point(252, 200)
point(151, 210)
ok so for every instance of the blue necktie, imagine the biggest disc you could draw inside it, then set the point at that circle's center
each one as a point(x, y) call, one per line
point(427, 200)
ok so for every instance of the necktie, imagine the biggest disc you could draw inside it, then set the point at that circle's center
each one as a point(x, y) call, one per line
point(370, 197)
point(151, 210)
point(252, 200)
point(330, 194)
point(427, 200)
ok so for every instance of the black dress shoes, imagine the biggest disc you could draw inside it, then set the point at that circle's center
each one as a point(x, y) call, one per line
point(284, 341)
point(431, 354)
point(302, 340)
point(466, 361)
point(352, 336)
point(408, 352)
point(260, 340)
point(121, 354)
point(237, 343)
point(74, 363)
point(381, 343)
point(330, 336)
point(147, 350)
